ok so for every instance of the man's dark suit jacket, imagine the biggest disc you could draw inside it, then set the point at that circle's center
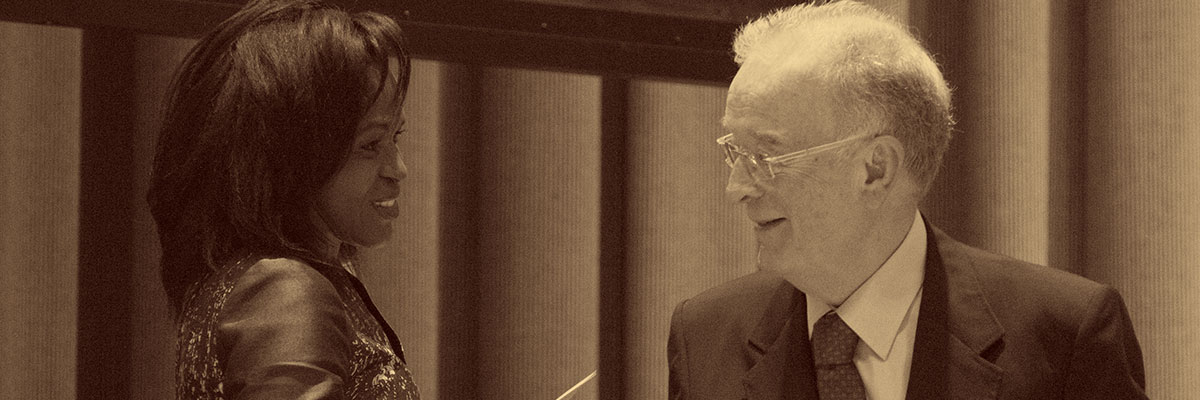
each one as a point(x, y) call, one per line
point(990, 327)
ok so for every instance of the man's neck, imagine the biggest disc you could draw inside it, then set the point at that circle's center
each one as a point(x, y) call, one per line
point(876, 244)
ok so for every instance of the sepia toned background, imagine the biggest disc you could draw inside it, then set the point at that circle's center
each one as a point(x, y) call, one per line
point(555, 213)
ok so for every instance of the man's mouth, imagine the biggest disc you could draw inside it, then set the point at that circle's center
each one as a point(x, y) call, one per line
point(768, 224)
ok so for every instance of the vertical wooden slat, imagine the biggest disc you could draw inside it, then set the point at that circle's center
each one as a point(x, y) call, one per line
point(614, 170)
point(992, 191)
point(1143, 215)
point(539, 200)
point(153, 357)
point(459, 283)
point(106, 223)
point(1068, 135)
point(684, 236)
point(40, 79)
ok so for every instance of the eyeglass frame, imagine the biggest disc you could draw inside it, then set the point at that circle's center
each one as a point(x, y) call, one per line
point(756, 159)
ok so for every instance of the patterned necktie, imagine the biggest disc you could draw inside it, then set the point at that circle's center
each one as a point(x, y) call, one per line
point(833, 355)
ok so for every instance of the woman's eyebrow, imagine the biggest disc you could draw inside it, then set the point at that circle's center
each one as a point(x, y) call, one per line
point(377, 125)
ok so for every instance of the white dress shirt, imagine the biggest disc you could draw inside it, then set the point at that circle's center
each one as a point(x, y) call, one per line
point(883, 312)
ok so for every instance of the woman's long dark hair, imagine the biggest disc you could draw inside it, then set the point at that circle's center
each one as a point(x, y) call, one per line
point(261, 114)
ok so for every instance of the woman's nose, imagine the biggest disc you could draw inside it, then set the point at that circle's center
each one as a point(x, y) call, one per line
point(395, 170)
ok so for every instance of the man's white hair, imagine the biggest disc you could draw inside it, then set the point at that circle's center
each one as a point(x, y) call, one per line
point(884, 81)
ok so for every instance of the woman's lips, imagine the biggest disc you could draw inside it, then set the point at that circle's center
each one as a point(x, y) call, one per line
point(387, 208)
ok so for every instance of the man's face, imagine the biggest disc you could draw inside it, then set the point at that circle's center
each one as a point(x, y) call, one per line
point(805, 216)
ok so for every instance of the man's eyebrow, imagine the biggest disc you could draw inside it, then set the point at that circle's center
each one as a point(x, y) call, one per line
point(769, 139)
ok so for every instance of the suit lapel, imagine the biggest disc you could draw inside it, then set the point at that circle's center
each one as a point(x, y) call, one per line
point(954, 328)
point(779, 351)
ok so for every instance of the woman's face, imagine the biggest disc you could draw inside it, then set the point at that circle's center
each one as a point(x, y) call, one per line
point(358, 204)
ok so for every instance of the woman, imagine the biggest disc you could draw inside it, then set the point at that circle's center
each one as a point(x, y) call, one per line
point(277, 159)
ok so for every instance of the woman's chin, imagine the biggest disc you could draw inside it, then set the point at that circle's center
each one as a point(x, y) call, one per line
point(374, 240)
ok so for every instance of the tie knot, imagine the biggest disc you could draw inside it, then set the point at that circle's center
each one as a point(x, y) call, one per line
point(833, 341)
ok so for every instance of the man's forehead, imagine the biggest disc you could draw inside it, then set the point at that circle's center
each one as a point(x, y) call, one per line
point(755, 130)
point(753, 94)
point(774, 80)
point(773, 109)
point(758, 78)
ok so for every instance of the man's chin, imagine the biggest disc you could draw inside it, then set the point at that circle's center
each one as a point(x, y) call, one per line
point(767, 265)
point(769, 271)
point(791, 272)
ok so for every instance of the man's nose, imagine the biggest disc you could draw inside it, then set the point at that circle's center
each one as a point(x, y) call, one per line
point(741, 185)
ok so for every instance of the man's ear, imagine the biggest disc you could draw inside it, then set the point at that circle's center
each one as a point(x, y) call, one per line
point(883, 163)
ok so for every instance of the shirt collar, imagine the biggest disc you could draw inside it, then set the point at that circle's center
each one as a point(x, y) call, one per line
point(877, 308)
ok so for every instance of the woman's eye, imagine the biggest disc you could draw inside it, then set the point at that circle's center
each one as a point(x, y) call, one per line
point(371, 147)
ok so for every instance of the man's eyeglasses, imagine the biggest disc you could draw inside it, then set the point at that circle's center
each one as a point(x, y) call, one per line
point(763, 167)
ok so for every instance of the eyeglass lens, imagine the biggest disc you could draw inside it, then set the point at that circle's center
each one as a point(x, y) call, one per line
point(752, 165)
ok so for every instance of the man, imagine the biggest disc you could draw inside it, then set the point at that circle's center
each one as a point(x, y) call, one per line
point(838, 120)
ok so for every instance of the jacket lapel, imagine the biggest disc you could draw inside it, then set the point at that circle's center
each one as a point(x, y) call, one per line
point(955, 328)
point(779, 351)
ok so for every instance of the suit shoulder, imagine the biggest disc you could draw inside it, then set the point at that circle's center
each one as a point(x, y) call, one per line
point(1018, 286)
point(1008, 272)
point(737, 302)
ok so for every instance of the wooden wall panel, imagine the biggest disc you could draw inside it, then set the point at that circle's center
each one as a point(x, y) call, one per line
point(1143, 216)
point(106, 204)
point(992, 191)
point(39, 209)
point(539, 152)
point(458, 236)
point(153, 377)
point(684, 235)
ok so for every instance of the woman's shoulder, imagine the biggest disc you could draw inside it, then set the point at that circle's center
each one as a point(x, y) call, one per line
point(290, 272)
point(257, 282)
point(282, 281)
point(253, 270)
point(257, 313)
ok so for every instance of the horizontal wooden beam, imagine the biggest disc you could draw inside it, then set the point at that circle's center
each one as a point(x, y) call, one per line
point(486, 32)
